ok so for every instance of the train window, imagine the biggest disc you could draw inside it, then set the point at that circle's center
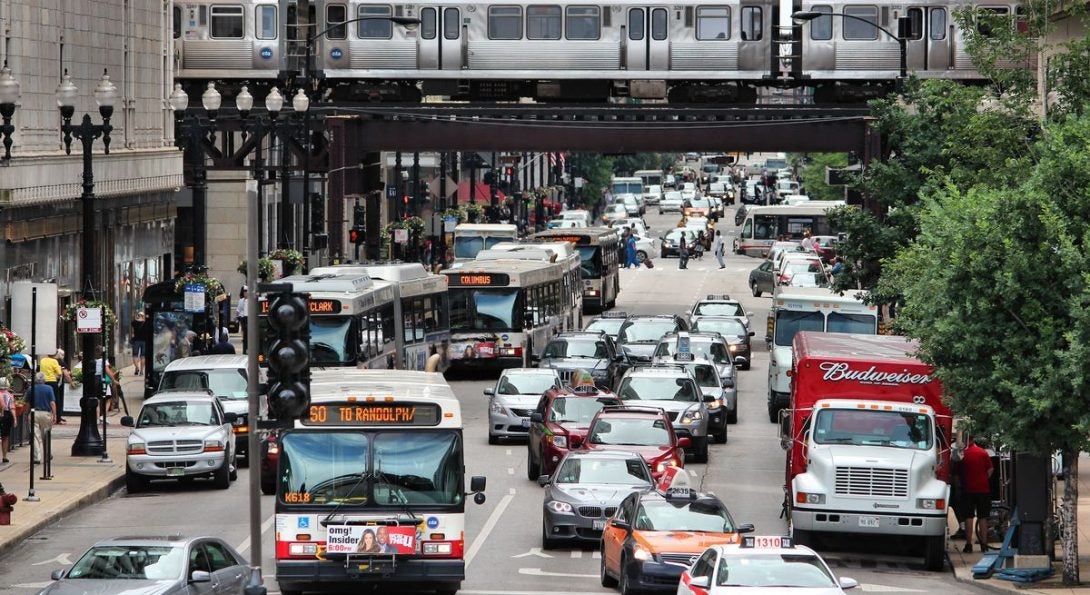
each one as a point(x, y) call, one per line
point(990, 16)
point(712, 23)
point(336, 13)
point(265, 21)
point(821, 28)
point(375, 28)
point(177, 14)
point(226, 22)
point(860, 29)
point(543, 22)
point(452, 23)
point(938, 24)
point(505, 22)
point(914, 24)
point(582, 22)
point(635, 24)
point(659, 22)
point(752, 23)
point(427, 23)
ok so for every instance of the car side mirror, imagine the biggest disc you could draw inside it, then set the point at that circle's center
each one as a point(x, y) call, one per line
point(536, 418)
point(848, 583)
point(619, 524)
point(57, 574)
point(200, 576)
point(477, 483)
point(575, 441)
point(543, 480)
point(489, 392)
point(684, 442)
point(700, 582)
point(127, 422)
point(751, 333)
point(229, 417)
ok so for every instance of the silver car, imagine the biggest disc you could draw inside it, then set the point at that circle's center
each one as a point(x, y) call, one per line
point(585, 490)
point(514, 398)
point(704, 346)
point(180, 435)
point(671, 202)
point(154, 566)
point(675, 391)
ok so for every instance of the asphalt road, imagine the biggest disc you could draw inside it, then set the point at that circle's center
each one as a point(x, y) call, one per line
point(503, 536)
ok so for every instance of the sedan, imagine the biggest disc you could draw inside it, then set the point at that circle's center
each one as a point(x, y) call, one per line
point(586, 490)
point(614, 212)
point(762, 279)
point(761, 564)
point(154, 566)
point(671, 202)
point(513, 399)
point(670, 241)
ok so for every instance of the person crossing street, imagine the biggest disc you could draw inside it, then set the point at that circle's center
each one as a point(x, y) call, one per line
point(717, 248)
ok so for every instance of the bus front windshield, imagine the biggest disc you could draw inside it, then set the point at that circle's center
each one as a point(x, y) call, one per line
point(406, 468)
point(467, 247)
point(493, 309)
point(788, 323)
point(590, 261)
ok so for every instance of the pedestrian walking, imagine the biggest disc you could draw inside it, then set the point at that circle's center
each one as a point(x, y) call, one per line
point(718, 248)
point(8, 421)
point(683, 254)
point(223, 345)
point(110, 383)
point(54, 373)
point(698, 245)
point(240, 316)
point(630, 251)
point(976, 474)
point(137, 341)
point(45, 409)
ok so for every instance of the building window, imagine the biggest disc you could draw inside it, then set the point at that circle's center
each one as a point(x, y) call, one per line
point(265, 21)
point(427, 23)
point(861, 30)
point(504, 22)
point(542, 22)
point(752, 23)
point(821, 28)
point(582, 22)
point(226, 22)
point(177, 12)
point(938, 24)
point(452, 23)
point(659, 21)
point(336, 13)
point(712, 23)
point(635, 24)
point(375, 28)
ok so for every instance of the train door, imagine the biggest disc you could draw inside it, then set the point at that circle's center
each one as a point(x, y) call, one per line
point(440, 38)
point(755, 39)
point(926, 31)
point(429, 43)
point(647, 44)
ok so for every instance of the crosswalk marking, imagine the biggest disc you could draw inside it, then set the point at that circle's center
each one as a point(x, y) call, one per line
point(594, 555)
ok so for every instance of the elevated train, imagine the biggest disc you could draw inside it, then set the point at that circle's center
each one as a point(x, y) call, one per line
point(685, 51)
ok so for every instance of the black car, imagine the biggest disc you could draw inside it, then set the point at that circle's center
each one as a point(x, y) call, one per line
point(762, 279)
point(592, 351)
point(639, 335)
point(671, 240)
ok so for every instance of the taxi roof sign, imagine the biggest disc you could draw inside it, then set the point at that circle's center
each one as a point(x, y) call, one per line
point(614, 314)
point(766, 542)
point(676, 483)
point(718, 296)
point(686, 356)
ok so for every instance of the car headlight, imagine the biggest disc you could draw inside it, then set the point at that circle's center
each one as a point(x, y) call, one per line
point(734, 347)
point(213, 446)
point(692, 415)
point(559, 441)
point(809, 498)
point(560, 507)
point(663, 465)
point(137, 448)
point(495, 407)
point(640, 553)
point(931, 503)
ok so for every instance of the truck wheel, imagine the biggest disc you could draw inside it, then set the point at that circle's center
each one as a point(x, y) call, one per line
point(134, 483)
point(533, 470)
point(802, 537)
point(934, 557)
point(222, 476)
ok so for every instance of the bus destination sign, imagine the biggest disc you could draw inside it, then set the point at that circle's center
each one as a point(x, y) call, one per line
point(315, 306)
point(373, 414)
point(574, 239)
point(479, 280)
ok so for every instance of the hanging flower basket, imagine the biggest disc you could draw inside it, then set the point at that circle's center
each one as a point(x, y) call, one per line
point(212, 286)
point(264, 268)
point(108, 316)
point(458, 214)
point(476, 210)
point(10, 343)
point(292, 259)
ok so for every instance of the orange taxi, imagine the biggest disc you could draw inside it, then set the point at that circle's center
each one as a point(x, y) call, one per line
point(656, 535)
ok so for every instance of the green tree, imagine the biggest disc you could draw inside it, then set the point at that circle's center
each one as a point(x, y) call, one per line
point(812, 173)
point(996, 288)
point(596, 169)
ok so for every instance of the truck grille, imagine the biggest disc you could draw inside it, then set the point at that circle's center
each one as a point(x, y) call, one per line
point(872, 481)
point(594, 512)
point(172, 447)
point(685, 560)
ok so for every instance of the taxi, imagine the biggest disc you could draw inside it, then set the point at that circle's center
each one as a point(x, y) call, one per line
point(656, 535)
point(761, 564)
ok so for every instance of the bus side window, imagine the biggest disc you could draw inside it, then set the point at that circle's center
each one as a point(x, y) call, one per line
point(386, 316)
point(747, 229)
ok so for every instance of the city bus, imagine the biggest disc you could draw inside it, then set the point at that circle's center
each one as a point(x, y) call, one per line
point(559, 252)
point(370, 485)
point(471, 238)
point(352, 320)
point(764, 225)
point(599, 254)
point(422, 307)
point(503, 311)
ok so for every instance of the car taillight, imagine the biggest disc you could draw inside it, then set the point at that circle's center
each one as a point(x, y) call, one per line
point(240, 429)
point(273, 448)
point(442, 549)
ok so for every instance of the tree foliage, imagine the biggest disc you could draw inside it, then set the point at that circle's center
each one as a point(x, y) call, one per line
point(597, 169)
point(812, 173)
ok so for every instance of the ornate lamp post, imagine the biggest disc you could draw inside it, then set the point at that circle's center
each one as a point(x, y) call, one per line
point(9, 96)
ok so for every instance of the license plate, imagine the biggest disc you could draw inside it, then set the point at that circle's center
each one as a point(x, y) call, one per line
point(525, 423)
point(175, 472)
point(598, 525)
point(868, 521)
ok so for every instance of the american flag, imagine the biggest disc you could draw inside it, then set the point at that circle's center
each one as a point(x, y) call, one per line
point(562, 161)
point(552, 159)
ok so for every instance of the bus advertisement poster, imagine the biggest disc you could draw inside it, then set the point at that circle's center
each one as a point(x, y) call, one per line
point(370, 539)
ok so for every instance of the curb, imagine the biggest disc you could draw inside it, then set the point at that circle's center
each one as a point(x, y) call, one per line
point(93, 497)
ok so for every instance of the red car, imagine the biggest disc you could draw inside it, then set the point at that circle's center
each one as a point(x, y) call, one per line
point(270, 455)
point(643, 430)
point(559, 424)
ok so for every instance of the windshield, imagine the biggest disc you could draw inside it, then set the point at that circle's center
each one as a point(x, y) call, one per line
point(611, 326)
point(788, 323)
point(706, 375)
point(700, 203)
point(627, 187)
point(525, 384)
point(469, 246)
point(561, 348)
point(773, 570)
point(228, 383)
point(577, 410)
point(728, 327)
point(601, 470)
point(178, 413)
point(631, 432)
point(713, 350)
point(141, 562)
point(719, 309)
point(330, 339)
point(410, 468)
point(484, 309)
point(873, 428)
point(590, 261)
point(652, 388)
point(860, 324)
point(646, 331)
point(701, 516)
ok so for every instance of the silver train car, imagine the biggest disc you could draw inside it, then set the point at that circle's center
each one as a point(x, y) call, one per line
point(564, 50)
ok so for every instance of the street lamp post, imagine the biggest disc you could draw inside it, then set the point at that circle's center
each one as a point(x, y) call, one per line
point(192, 132)
point(809, 15)
point(88, 442)
point(9, 96)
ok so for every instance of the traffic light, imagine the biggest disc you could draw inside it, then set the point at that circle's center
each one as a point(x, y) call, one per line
point(508, 171)
point(359, 216)
point(317, 213)
point(289, 355)
point(489, 177)
point(356, 235)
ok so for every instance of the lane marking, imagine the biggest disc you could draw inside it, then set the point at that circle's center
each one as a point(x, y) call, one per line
point(510, 470)
point(871, 588)
point(508, 452)
point(489, 525)
point(540, 572)
point(245, 545)
point(534, 551)
point(60, 560)
point(594, 555)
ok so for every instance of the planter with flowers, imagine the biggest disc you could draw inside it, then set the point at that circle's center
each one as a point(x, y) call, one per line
point(292, 260)
point(10, 344)
point(212, 286)
point(265, 268)
point(414, 225)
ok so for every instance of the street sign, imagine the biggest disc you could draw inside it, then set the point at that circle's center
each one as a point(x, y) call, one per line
point(194, 298)
point(391, 191)
point(89, 320)
point(449, 223)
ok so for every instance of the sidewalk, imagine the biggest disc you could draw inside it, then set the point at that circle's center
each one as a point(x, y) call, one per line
point(963, 563)
point(77, 481)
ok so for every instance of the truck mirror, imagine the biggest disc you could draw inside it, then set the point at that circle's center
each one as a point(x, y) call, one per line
point(785, 425)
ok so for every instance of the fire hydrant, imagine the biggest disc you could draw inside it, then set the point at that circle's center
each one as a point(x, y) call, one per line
point(7, 501)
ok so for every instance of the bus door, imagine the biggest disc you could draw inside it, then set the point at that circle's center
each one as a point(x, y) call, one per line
point(647, 46)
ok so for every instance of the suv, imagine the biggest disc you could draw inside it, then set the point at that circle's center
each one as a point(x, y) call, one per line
point(594, 352)
point(559, 424)
point(734, 331)
point(704, 346)
point(675, 391)
point(180, 435)
point(718, 305)
point(608, 323)
point(639, 334)
point(711, 389)
point(643, 430)
point(512, 400)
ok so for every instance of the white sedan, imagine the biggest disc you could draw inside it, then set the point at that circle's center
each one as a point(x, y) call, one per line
point(761, 564)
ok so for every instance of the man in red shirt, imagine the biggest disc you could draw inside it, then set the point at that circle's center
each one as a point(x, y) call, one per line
point(976, 473)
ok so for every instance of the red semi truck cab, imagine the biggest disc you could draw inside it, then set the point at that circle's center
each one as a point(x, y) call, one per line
point(868, 442)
